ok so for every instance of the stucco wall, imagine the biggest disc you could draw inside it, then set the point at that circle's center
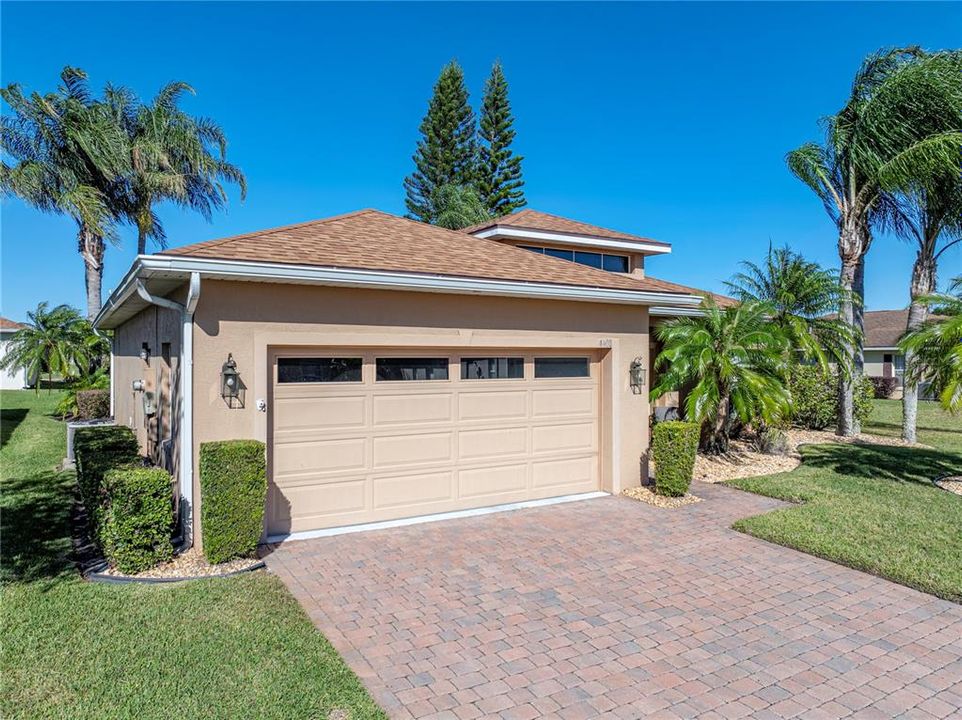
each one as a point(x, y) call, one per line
point(245, 319)
point(12, 378)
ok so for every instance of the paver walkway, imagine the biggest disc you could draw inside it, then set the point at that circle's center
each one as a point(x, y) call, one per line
point(612, 608)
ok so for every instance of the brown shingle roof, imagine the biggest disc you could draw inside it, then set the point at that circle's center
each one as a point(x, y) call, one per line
point(535, 220)
point(884, 328)
point(6, 324)
point(374, 240)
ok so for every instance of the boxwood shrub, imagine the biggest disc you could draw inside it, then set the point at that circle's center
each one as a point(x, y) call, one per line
point(99, 449)
point(815, 397)
point(93, 404)
point(673, 447)
point(138, 518)
point(233, 487)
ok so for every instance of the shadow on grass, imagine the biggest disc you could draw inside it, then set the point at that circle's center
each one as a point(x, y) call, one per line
point(10, 419)
point(881, 462)
point(36, 527)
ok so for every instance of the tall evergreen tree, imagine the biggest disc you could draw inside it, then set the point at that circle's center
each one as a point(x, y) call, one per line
point(446, 151)
point(499, 179)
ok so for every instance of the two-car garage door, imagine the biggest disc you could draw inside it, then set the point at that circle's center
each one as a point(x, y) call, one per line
point(362, 436)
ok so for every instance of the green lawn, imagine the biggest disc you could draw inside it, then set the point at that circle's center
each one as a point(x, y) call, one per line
point(229, 648)
point(873, 507)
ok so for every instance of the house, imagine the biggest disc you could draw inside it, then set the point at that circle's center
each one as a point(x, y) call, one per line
point(883, 330)
point(396, 369)
point(11, 378)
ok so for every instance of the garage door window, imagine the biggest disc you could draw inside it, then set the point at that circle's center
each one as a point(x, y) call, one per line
point(412, 368)
point(318, 370)
point(560, 367)
point(492, 368)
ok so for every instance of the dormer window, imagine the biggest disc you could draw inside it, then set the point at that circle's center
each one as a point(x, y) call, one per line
point(602, 261)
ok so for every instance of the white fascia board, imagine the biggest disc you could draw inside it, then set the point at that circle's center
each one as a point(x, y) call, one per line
point(675, 311)
point(146, 265)
point(580, 240)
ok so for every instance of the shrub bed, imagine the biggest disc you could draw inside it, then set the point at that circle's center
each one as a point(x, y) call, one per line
point(93, 404)
point(138, 518)
point(98, 450)
point(673, 448)
point(815, 397)
point(233, 486)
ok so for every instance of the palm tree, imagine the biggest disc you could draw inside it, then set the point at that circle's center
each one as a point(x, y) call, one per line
point(898, 128)
point(802, 297)
point(173, 156)
point(457, 206)
point(66, 155)
point(932, 219)
point(734, 359)
point(57, 341)
point(935, 347)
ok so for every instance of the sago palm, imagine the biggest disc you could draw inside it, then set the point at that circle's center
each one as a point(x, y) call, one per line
point(733, 360)
point(802, 297)
point(173, 157)
point(63, 153)
point(935, 347)
point(898, 128)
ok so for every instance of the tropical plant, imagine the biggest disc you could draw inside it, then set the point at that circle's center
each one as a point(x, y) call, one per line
point(802, 297)
point(446, 151)
point(499, 180)
point(55, 341)
point(63, 153)
point(935, 347)
point(733, 359)
point(173, 156)
point(898, 128)
point(456, 206)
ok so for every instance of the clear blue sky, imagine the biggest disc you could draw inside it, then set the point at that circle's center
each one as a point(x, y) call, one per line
point(667, 120)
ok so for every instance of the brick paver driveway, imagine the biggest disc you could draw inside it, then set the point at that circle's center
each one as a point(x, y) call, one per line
point(610, 607)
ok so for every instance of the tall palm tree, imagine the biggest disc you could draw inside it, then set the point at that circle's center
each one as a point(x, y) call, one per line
point(457, 206)
point(802, 297)
point(734, 358)
point(931, 217)
point(64, 154)
point(898, 128)
point(54, 341)
point(935, 347)
point(173, 156)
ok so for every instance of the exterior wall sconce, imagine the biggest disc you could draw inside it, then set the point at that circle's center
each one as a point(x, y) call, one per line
point(145, 352)
point(230, 382)
point(637, 373)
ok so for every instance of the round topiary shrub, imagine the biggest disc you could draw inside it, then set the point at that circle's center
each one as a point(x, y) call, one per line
point(673, 448)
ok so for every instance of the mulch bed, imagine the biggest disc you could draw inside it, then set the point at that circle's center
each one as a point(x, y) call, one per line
point(646, 493)
point(952, 484)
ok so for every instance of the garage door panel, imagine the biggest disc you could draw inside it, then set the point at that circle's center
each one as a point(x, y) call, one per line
point(495, 442)
point(572, 471)
point(559, 401)
point(318, 456)
point(480, 405)
point(490, 481)
point(299, 503)
point(413, 490)
point(316, 413)
point(564, 437)
point(396, 450)
point(410, 408)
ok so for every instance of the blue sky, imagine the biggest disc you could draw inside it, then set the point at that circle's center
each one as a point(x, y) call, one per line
point(666, 120)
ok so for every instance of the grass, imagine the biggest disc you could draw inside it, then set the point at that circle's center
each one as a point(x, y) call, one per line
point(236, 647)
point(873, 507)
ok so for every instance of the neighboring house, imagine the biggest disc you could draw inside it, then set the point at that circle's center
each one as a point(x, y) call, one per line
point(883, 330)
point(396, 369)
point(12, 378)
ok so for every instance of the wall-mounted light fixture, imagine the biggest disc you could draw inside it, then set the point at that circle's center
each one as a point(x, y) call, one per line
point(145, 352)
point(230, 384)
point(637, 373)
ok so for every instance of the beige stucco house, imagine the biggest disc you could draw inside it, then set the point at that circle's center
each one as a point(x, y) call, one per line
point(395, 369)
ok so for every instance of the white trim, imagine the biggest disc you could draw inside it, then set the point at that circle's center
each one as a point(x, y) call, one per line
point(515, 233)
point(675, 312)
point(168, 265)
point(366, 527)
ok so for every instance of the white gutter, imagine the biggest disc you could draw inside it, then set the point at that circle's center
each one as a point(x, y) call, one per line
point(675, 311)
point(517, 233)
point(186, 420)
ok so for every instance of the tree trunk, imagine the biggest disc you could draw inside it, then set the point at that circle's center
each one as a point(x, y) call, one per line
point(717, 441)
point(91, 250)
point(923, 283)
point(852, 243)
point(845, 396)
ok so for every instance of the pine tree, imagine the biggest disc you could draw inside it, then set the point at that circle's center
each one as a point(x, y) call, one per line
point(447, 149)
point(499, 179)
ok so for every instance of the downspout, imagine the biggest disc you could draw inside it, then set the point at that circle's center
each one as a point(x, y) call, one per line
point(186, 420)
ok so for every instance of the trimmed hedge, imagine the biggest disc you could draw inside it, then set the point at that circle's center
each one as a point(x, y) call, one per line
point(815, 397)
point(100, 449)
point(673, 447)
point(93, 404)
point(884, 387)
point(138, 518)
point(233, 487)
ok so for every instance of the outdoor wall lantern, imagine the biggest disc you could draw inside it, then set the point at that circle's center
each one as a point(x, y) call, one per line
point(230, 384)
point(145, 352)
point(637, 373)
